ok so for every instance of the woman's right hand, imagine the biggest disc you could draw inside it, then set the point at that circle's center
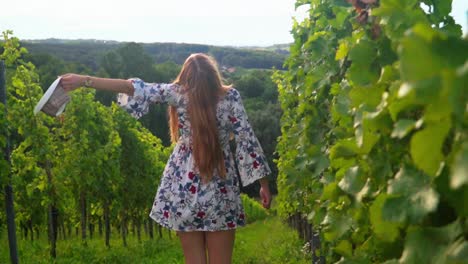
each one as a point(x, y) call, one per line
point(71, 81)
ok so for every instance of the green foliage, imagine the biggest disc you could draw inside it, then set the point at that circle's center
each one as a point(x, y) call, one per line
point(375, 131)
point(253, 209)
point(166, 72)
point(33, 147)
point(251, 85)
point(89, 159)
point(134, 62)
point(142, 162)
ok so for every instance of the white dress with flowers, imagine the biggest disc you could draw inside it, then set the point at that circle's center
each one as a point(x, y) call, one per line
point(182, 202)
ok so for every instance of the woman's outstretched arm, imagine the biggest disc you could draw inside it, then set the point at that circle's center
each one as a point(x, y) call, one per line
point(71, 81)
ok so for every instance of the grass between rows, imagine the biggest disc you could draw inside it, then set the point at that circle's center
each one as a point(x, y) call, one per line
point(267, 241)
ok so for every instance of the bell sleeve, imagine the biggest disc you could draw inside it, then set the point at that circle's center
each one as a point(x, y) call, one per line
point(251, 161)
point(145, 94)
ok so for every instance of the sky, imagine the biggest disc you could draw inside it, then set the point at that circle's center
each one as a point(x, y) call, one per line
point(216, 22)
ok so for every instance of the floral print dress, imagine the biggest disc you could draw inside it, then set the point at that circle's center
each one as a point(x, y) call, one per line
point(182, 202)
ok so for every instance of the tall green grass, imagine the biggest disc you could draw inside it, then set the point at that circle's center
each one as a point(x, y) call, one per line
point(72, 250)
point(267, 240)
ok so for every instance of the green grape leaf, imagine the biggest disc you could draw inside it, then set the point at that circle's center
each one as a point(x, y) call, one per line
point(353, 181)
point(426, 147)
point(423, 91)
point(365, 139)
point(411, 197)
point(365, 125)
point(366, 191)
point(395, 210)
point(439, 110)
point(342, 51)
point(398, 104)
point(430, 245)
point(330, 192)
point(341, 13)
point(369, 139)
point(415, 49)
point(340, 107)
point(403, 127)
point(456, 85)
point(362, 76)
point(458, 251)
point(370, 96)
point(393, 261)
point(344, 248)
point(320, 163)
point(459, 174)
point(362, 55)
point(363, 52)
point(385, 230)
point(301, 2)
point(335, 225)
point(344, 149)
point(398, 16)
point(378, 121)
point(387, 74)
point(442, 8)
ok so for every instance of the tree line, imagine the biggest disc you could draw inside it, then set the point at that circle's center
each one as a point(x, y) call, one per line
point(89, 52)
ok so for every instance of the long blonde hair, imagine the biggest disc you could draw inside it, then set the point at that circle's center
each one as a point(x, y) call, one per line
point(201, 80)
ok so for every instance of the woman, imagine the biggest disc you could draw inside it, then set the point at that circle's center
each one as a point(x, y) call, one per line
point(198, 196)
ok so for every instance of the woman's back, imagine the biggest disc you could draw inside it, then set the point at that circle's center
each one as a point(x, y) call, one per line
point(224, 109)
point(219, 199)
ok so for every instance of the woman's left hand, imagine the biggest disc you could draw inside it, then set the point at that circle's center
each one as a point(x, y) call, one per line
point(71, 81)
point(265, 196)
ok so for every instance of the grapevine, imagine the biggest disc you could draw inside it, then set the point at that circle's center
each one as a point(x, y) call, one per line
point(88, 165)
point(374, 141)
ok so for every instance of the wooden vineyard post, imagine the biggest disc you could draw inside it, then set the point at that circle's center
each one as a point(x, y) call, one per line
point(8, 189)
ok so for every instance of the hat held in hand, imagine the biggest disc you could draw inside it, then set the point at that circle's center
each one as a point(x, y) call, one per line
point(54, 100)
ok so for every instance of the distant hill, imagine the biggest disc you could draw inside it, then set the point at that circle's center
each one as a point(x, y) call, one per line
point(278, 48)
point(89, 52)
point(69, 41)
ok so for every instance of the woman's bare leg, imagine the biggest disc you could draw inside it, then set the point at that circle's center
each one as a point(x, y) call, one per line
point(193, 245)
point(220, 245)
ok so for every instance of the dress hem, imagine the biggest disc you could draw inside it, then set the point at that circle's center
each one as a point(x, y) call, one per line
point(196, 229)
